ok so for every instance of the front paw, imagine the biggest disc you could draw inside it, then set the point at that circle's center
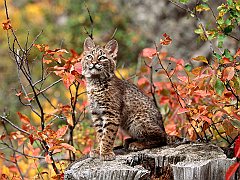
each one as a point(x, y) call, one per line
point(136, 146)
point(94, 153)
point(108, 156)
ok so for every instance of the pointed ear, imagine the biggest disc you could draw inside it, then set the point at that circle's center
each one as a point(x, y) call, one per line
point(112, 47)
point(88, 44)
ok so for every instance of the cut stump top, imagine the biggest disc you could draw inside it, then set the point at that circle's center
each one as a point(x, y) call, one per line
point(180, 162)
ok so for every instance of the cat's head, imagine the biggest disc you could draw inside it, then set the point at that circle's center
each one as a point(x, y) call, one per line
point(99, 62)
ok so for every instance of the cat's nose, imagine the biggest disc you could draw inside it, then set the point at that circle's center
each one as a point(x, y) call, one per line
point(94, 62)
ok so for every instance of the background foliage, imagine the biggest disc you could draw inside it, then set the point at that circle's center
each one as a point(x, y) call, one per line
point(45, 123)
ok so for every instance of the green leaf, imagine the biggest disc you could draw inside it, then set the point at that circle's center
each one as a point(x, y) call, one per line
point(198, 31)
point(230, 2)
point(219, 87)
point(188, 67)
point(218, 56)
point(237, 85)
point(227, 54)
point(184, 1)
point(220, 40)
point(220, 21)
point(228, 22)
point(228, 29)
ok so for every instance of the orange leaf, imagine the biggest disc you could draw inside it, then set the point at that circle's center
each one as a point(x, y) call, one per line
point(202, 93)
point(228, 127)
point(68, 146)
point(166, 41)
point(231, 170)
point(48, 159)
point(182, 110)
point(41, 47)
point(204, 118)
point(197, 70)
point(148, 52)
point(46, 61)
point(69, 120)
point(19, 93)
point(237, 53)
point(62, 131)
point(228, 73)
point(7, 25)
point(183, 78)
point(68, 79)
point(23, 118)
point(55, 147)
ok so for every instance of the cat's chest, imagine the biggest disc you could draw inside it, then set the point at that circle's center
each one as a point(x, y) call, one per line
point(98, 97)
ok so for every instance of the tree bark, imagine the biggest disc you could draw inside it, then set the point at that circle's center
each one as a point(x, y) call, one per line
point(180, 162)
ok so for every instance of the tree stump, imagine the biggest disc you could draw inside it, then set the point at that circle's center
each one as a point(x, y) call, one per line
point(180, 162)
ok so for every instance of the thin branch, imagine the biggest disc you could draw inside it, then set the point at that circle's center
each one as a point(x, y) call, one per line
point(13, 125)
point(91, 21)
point(14, 152)
point(24, 154)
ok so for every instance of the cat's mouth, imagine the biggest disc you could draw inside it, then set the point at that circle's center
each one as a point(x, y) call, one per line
point(95, 69)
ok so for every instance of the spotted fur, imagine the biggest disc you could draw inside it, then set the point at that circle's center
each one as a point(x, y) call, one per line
point(117, 103)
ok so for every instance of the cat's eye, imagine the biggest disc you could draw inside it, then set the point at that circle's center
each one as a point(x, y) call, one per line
point(101, 58)
point(89, 57)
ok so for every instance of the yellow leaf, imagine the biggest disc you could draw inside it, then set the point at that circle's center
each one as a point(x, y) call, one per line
point(201, 59)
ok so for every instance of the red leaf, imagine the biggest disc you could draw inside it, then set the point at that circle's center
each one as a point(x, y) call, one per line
point(237, 147)
point(206, 119)
point(31, 138)
point(148, 52)
point(231, 170)
point(60, 132)
point(48, 159)
point(228, 73)
point(166, 41)
point(7, 25)
point(68, 146)
point(86, 150)
point(13, 168)
point(78, 67)
point(226, 60)
point(142, 82)
point(23, 118)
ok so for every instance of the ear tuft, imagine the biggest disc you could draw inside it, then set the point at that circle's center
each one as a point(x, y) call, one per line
point(88, 44)
point(112, 47)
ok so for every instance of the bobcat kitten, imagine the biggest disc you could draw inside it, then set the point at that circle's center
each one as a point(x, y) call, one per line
point(117, 103)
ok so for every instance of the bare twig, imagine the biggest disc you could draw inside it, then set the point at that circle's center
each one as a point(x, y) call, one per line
point(91, 21)
point(13, 125)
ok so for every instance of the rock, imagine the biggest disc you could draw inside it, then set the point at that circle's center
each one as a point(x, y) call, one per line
point(180, 162)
